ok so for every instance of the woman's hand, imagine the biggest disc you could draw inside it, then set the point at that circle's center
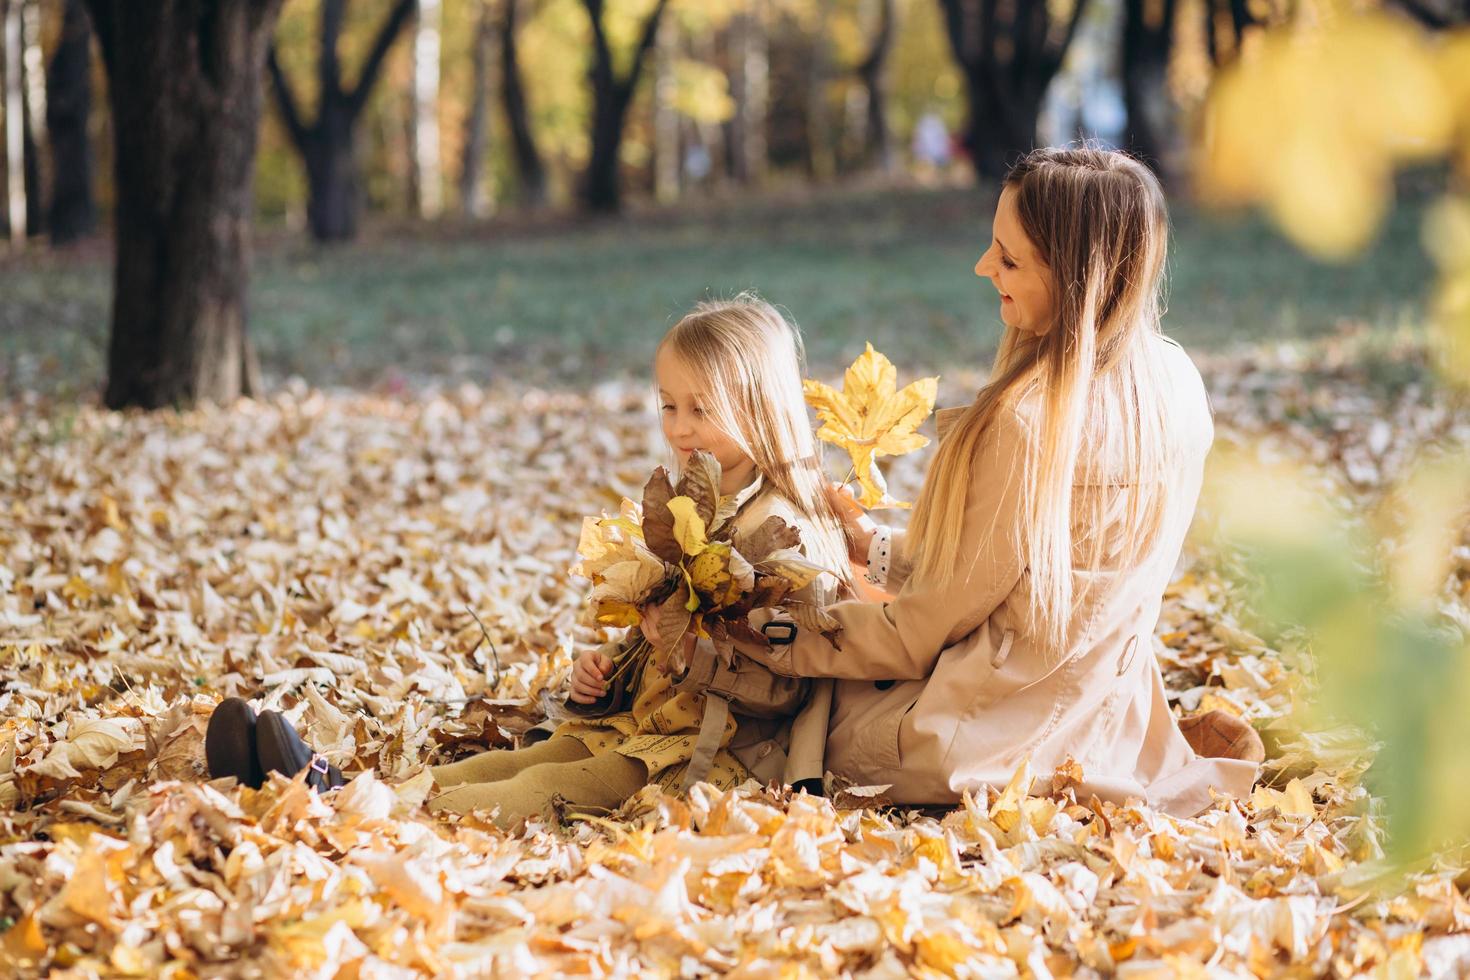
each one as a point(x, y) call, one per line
point(855, 521)
point(589, 676)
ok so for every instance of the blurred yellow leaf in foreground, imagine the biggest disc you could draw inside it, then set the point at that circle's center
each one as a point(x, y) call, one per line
point(1311, 123)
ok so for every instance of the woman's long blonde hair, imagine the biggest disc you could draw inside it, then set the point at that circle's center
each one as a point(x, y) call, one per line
point(749, 361)
point(1099, 220)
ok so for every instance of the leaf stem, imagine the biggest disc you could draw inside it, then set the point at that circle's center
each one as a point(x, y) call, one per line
point(494, 653)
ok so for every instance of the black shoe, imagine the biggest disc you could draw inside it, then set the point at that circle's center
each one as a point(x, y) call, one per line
point(280, 749)
point(229, 743)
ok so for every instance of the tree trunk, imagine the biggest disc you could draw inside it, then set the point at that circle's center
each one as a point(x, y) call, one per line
point(530, 170)
point(328, 145)
point(600, 185)
point(1000, 130)
point(751, 69)
point(15, 126)
point(611, 97)
point(1435, 16)
point(1223, 51)
point(821, 155)
point(333, 186)
point(73, 211)
point(426, 174)
point(184, 84)
point(473, 200)
point(33, 89)
point(1148, 32)
point(667, 159)
point(873, 72)
point(1008, 55)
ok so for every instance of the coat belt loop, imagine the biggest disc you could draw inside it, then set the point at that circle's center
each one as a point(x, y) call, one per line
point(1126, 661)
point(999, 657)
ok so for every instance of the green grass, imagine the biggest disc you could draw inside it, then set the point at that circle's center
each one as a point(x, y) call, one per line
point(561, 300)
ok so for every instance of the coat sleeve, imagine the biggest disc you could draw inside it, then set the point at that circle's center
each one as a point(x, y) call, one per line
point(806, 757)
point(901, 639)
point(900, 561)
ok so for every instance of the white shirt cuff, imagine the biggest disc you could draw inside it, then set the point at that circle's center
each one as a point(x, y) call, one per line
point(880, 554)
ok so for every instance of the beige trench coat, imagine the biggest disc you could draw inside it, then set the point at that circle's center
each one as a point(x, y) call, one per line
point(945, 690)
point(789, 750)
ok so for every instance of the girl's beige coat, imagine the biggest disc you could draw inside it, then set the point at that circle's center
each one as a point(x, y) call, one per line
point(944, 690)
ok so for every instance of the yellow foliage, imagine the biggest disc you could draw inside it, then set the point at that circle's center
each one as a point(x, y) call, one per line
point(688, 526)
point(1311, 123)
point(871, 417)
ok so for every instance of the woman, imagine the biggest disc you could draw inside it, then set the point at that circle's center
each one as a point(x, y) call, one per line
point(1029, 581)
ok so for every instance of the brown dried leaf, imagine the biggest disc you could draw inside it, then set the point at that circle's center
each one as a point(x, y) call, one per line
point(700, 481)
point(658, 520)
point(773, 535)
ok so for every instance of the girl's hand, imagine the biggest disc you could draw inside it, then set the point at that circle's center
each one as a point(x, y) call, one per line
point(649, 624)
point(649, 627)
point(589, 676)
point(855, 520)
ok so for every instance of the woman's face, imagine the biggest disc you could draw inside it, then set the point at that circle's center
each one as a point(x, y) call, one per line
point(687, 427)
point(1014, 267)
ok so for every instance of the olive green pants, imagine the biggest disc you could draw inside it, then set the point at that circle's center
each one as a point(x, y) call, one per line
point(523, 782)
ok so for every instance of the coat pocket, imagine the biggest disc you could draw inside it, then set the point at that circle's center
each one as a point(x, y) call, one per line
point(884, 734)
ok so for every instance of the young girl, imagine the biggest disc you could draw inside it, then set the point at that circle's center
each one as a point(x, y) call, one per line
point(729, 383)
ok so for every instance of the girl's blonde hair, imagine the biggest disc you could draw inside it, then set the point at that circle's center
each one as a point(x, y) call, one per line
point(749, 361)
point(1099, 220)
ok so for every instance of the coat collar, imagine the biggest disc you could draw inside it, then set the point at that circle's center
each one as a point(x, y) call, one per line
point(746, 494)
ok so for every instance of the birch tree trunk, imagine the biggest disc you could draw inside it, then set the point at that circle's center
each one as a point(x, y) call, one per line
point(15, 123)
point(473, 199)
point(750, 71)
point(426, 174)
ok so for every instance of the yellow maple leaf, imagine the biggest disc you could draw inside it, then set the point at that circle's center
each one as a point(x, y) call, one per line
point(1295, 800)
point(716, 574)
point(1006, 812)
point(872, 417)
point(689, 528)
point(623, 588)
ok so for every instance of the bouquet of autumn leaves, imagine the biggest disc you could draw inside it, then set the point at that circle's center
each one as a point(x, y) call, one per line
point(679, 551)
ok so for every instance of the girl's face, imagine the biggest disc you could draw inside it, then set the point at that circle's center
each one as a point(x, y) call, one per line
point(1014, 267)
point(687, 428)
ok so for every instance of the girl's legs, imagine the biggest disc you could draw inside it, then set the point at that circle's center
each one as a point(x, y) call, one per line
point(522, 782)
point(279, 748)
point(602, 782)
point(498, 764)
point(241, 744)
point(229, 743)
